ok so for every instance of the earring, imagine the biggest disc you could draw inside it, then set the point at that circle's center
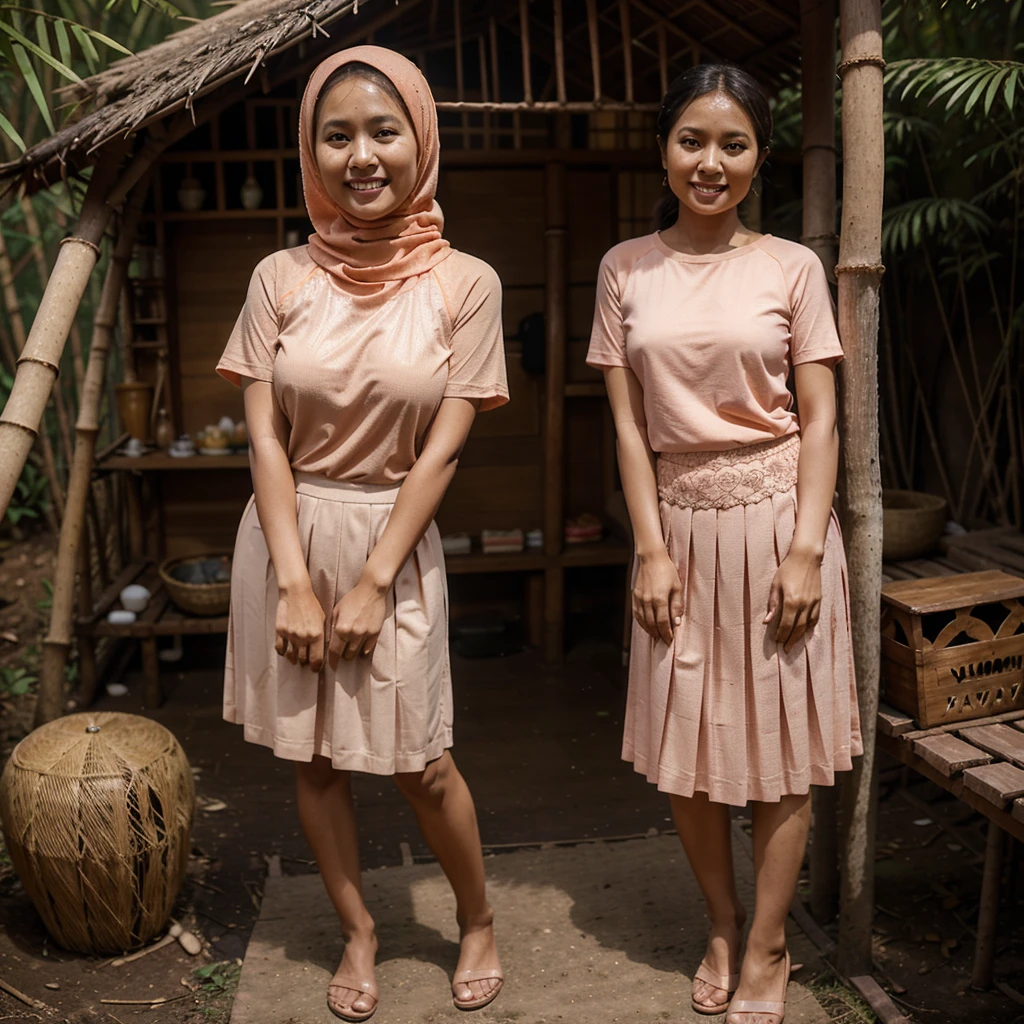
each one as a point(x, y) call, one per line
point(664, 179)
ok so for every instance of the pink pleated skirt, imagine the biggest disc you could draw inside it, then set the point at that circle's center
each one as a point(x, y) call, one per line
point(725, 710)
point(391, 712)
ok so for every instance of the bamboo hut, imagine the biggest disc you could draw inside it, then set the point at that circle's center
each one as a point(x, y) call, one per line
point(547, 113)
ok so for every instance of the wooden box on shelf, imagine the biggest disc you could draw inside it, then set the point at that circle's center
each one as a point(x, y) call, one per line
point(953, 646)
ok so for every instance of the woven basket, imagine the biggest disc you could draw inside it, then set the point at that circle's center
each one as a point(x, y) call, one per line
point(97, 812)
point(912, 523)
point(197, 598)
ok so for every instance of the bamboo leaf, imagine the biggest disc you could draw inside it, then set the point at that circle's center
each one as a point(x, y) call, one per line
point(28, 73)
point(993, 88)
point(11, 133)
point(978, 90)
point(42, 34)
point(1011, 85)
point(63, 42)
point(107, 41)
point(91, 56)
point(165, 7)
point(31, 47)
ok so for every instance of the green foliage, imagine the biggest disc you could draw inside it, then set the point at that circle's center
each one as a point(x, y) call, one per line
point(922, 221)
point(16, 681)
point(217, 978)
point(963, 81)
point(31, 494)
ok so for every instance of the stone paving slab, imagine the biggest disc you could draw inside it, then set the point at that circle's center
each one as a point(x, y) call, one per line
point(592, 934)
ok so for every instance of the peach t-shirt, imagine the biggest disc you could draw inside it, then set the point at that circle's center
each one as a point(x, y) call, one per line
point(711, 338)
point(360, 388)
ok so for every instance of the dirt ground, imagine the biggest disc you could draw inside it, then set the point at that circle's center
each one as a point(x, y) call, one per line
point(539, 747)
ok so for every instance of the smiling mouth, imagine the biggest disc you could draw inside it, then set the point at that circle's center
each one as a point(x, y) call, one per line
point(708, 190)
point(374, 185)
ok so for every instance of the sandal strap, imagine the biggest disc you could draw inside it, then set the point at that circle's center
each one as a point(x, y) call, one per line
point(757, 1006)
point(354, 984)
point(483, 974)
point(726, 982)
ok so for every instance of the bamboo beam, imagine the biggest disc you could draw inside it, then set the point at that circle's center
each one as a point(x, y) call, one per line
point(460, 74)
point(524, 44)
point(627, 48)
point(595, 48)
point(492, 31)
point(559, 52)
point(572, 107)
point(817, 49)
point(662, 59)
point(859, 270)
point(58, 639)
point(37, 365)
point(484, 90)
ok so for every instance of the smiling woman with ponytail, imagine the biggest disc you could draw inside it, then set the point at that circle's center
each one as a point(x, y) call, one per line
point(741, 683)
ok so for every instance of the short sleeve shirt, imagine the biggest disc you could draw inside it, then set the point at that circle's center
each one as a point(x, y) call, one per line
point(360, 389)
point(712, 338)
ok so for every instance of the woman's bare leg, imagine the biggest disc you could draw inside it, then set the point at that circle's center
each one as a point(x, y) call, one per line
point(444, 809)
point(705, 831)
point(780, 839)
point(327, 815)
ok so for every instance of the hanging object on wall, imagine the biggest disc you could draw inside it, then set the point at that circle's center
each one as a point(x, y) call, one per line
point(191, 194)
point(134, 401)
point(97, 813)
point(252, 193)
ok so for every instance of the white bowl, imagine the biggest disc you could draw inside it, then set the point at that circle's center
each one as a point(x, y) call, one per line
point(135, 597)
point(120, 617)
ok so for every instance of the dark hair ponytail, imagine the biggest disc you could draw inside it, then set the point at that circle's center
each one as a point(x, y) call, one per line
point(698, 81)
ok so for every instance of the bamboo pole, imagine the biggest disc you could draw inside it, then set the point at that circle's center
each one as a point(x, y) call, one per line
point(595, 48)
point(524, 44)
point(860, 269)
point(481, 47)
point(58, 639)
point(460, 74)
point(492, 31)
point(627, 48)
point(55, 511)
point(663, 59)
point(37, 365)
point(817, 48)
point(77, 359)
point(559, 53)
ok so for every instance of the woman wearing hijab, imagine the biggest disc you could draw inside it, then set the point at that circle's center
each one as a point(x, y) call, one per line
point(364, 357)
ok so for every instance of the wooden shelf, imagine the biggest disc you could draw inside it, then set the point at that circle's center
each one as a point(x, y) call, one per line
point(261, 213)
point(162, 461)
point(148, 344)
point(150, 321)
point(610, 551)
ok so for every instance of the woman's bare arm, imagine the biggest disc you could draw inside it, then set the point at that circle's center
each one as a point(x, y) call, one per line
point(359, 615)
point(300, 619)
point(796, 589)
point(657, 595)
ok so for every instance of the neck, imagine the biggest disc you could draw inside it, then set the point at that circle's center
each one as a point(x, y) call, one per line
point(699, 234)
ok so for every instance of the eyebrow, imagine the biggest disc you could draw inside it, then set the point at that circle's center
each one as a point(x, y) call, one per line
point(375, 121)
point(727, 135)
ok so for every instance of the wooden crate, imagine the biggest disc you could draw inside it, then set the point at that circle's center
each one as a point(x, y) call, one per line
point(953, 646)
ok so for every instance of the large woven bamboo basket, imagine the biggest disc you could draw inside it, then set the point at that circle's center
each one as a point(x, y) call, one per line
point(97, 813)
point(197, 598)
point(912, 523)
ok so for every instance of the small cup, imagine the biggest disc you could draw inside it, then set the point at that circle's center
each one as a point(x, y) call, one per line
point(120, 617)
point(134, 447)
point(135, 597)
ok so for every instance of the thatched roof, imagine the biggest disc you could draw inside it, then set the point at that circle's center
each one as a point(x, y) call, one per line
point(245, 40)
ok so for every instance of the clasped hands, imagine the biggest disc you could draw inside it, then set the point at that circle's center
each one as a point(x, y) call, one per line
point(356, 622)
point(795, 597)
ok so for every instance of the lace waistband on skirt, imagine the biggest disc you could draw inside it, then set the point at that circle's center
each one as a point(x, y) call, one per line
point(738, 476)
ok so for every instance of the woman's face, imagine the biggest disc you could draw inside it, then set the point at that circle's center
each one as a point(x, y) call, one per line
point(711, 156)
point(365, 149)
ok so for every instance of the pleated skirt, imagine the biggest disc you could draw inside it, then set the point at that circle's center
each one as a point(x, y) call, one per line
point(391, 712)
point(725, 710)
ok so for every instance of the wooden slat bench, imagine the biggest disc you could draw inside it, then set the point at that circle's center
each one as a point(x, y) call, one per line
point(160, 618)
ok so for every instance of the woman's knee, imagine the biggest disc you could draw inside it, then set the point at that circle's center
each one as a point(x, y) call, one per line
point(319, 773)
point(429, 786)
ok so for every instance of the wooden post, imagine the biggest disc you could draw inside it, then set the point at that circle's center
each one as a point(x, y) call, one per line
point(58, 639)
point(627, 48)
point(37, 365)
point(859, 270)
point(988, 911)
point(817, 50)
point(559, 52)
point(555, 299)
point(524, 42)
point(595, 48)
point(662, 59)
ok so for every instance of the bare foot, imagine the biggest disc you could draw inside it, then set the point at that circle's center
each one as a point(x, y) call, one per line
point(764, 978)
point(357, 965)
point(722, 957)
point(478, 952)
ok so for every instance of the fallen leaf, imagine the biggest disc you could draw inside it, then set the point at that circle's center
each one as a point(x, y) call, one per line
point(947, 947)
point(932, 937)
point(215, 805)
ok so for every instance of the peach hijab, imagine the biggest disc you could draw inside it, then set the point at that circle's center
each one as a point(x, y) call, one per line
point(374, 258)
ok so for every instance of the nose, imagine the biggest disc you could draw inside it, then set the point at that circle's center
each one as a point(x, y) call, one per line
point(710, 160)
point(362, 151)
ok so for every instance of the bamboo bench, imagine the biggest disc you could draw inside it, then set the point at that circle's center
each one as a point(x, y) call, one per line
point(980, 761)
point(159, 618)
